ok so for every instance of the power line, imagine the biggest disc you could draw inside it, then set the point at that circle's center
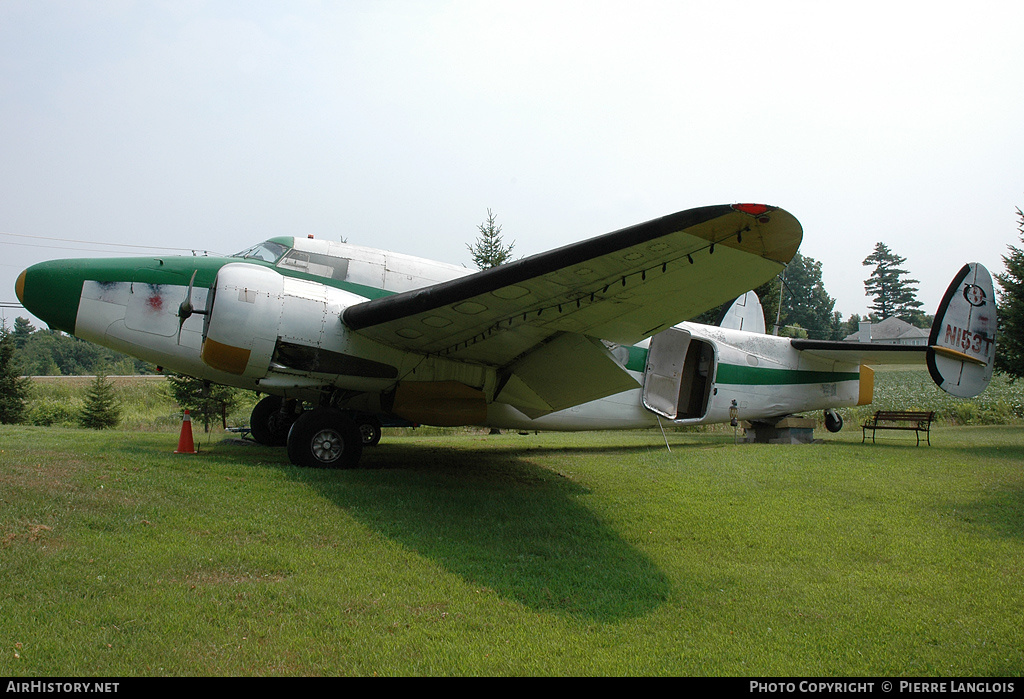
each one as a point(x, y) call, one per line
point(89, 242)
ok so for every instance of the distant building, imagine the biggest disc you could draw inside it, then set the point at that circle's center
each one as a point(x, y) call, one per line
point(892, 331)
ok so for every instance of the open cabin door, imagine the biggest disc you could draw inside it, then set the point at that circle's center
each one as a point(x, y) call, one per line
point(678, 376)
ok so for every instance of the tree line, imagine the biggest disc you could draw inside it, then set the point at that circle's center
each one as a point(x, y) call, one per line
point(45, 352)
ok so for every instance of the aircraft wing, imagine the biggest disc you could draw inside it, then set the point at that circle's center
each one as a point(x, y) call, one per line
point(869, 353)
point(621, 287)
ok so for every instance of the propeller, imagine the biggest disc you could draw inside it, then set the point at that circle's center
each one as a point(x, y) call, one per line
point(186, 309)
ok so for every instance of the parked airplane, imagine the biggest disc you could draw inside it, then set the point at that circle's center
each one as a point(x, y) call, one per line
point(587, 336)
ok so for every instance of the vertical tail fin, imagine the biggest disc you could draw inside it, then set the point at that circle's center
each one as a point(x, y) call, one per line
point(745, 313)
point(962, 345)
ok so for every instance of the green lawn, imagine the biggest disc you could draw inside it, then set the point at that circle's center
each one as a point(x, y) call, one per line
point(462, 554)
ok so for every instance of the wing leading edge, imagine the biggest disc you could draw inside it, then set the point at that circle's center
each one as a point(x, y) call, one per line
point(622, 287)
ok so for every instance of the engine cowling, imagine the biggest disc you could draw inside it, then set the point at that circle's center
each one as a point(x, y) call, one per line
point(243, 318)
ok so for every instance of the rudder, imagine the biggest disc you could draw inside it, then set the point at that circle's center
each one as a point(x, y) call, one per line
point(962, 344)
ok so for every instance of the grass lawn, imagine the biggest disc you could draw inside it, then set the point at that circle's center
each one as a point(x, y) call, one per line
point(551, 554)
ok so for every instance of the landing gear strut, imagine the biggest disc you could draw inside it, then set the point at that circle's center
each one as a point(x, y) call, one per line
point(270, 421)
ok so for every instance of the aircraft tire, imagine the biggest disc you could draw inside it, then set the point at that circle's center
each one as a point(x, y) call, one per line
point(833, 421)
point(267, 424)
point(325, 438)
point(370, 429)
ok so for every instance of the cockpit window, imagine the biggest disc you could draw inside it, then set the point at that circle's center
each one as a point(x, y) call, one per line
point(266, 251)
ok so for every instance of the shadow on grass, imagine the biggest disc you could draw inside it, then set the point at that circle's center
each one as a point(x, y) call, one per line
point(998, 508)
point(499, 521)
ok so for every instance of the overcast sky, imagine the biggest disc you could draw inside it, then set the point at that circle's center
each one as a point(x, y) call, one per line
point(214, 125)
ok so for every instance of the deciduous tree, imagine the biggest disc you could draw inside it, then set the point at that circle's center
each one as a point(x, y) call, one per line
point(806, 304)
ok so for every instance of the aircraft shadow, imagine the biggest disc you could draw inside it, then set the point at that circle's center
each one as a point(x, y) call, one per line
point(501, 522)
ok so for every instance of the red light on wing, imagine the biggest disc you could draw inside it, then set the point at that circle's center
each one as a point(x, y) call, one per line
point(752, 209)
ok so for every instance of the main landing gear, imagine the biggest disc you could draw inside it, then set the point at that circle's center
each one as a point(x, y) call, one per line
point(325, 438)
point(321, 437)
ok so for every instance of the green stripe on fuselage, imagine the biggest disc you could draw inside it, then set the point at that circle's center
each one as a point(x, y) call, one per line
point(734, 374)
point(762, 376)
point(53, 289)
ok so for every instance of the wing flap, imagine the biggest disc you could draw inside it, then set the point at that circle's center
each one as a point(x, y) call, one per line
point(550, 377)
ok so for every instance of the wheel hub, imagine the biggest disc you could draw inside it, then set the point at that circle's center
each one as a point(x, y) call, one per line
point(327, 446)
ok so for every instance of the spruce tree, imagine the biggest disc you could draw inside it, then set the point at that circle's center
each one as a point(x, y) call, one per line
point(101, 409)
point(1010, 345)
point(893, 293)
point(489, 250)
point(13, 388)
point(22, 329)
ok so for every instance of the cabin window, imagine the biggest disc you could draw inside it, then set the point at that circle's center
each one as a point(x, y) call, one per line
point(315, 263)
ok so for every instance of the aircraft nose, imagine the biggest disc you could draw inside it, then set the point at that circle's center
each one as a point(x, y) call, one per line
point(51, 292)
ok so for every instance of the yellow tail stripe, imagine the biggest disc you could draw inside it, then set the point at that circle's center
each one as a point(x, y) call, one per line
point(867, 385)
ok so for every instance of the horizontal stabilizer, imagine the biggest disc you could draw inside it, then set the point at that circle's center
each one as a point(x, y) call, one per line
point(869, 353)
point(961, 348)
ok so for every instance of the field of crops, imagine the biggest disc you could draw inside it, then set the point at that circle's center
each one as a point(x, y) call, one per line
point(911, 388)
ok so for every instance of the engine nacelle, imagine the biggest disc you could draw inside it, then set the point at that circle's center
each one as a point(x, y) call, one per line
point(244, 314)
point(283, 331)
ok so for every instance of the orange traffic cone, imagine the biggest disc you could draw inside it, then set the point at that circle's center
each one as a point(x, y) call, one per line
point(185, 444)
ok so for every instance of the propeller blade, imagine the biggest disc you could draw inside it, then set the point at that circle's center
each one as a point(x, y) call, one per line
point(186, 309)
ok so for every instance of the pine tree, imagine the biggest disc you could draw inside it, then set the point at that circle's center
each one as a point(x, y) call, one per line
point(22, 329)
point(489, 250)
point(1010, 345)
point(893, 294)
point(13, 388)
point(101, 409)
point(205, 401)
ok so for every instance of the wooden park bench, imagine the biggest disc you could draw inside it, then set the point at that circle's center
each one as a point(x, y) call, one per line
point(899, 420)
